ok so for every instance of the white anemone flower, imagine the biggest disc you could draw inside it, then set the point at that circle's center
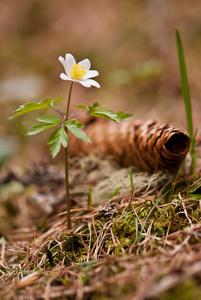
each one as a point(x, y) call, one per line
point(80, 72)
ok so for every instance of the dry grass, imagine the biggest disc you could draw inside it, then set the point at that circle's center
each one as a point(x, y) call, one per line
point(129, 248)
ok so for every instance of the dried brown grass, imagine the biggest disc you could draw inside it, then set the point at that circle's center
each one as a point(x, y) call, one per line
point(101, 257)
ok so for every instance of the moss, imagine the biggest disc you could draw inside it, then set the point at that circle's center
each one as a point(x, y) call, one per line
point(124, 227)
point(196, 213)
point(119, 290)
point(126, 230)
point(189, 290)
point(65, 250)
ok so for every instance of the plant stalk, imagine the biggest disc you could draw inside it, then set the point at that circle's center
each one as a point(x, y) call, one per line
point(69, 97)
point(68, 204)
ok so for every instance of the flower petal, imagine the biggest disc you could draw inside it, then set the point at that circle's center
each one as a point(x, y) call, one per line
point(89, 82)
point(70, 62)
point(62, 60)
point(85, 63)
point(90, 74)
point(65, 77)
point(85, 83)
point(94, 83)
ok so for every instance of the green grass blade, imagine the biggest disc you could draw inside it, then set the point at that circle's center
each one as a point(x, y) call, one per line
point(138, 238)
point(115, 193)
point(185, 86)
point(152, 210)
point(132, 185)
point(90, 197)
point(186, 96)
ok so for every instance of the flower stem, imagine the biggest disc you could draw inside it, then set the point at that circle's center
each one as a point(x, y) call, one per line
point(67, 167)
point(68, 204)
point(69, 96)
point(59, 111)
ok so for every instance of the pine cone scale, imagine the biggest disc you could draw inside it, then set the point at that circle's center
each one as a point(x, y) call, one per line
point(147, 145)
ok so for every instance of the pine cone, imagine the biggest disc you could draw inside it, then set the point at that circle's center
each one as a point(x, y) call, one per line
point(147, 145)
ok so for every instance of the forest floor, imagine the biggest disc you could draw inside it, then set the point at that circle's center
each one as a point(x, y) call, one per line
point(142, 242)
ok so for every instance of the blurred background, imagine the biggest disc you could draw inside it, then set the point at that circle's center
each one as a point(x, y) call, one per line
point(131, 43)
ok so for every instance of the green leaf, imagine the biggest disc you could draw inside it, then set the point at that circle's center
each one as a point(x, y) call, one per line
point(55, 148)
point(60, 134)
point(28, 107)
point(74, 127)
point(81, 106)
point(58, 137)
point(108, 114)
point(123, 116)
point(96, 110)
point(92, 108)
point(49, 119)
point(74, 122)
point(96, 106)
point(57, 100)
point(39, 128)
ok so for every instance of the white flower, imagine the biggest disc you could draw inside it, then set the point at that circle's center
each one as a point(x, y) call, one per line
point(78, 72)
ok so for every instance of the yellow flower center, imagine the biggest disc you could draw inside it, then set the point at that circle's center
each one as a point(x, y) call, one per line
point(77, 72)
